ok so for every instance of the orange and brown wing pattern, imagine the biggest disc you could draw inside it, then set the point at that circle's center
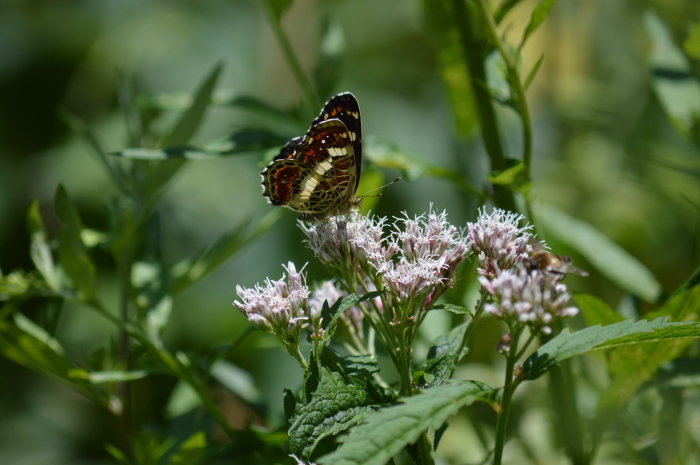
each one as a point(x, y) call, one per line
point(320, 179)
point(317, 174)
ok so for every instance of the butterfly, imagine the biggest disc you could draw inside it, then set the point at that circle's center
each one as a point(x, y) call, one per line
point(317, 174)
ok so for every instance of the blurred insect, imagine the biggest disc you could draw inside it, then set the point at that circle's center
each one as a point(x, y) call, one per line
point(553, 264)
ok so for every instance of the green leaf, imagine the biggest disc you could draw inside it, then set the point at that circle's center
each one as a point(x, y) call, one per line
point(337, 395)
point(511, 176)
point(243, 141)
point(609, 258)
point(237, 380)
point(279, 6)
point(191, 451)
point(503, 9)
point(533, 72)
point(387, 432)
point(386, 154)
point(453, 308)
point(39, 248)
point(440, 362)
point(566, 345)
point(183, 399)
point(633, 365)
point(676, 88)
point(539, 14)
point(691, 45)
point(72, 252)
point(21, 284)
point(190, 120)
point(188, 272)
point(595, 311)
point(330, 315)
point(27, 344)
point(99, 377)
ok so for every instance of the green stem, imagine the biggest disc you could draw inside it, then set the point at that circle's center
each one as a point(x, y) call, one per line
point(475, 47)
point(508, 390)
point(293, 350)
point(515, 82)
point(123, 388)
point(472, 324)
point(312, 100)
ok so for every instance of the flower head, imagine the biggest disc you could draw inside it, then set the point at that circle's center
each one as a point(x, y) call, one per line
point(523, 296)
point(279, 307)
point(498, 241)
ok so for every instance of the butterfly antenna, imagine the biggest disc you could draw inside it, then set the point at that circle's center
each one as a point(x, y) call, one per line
point(380, 187)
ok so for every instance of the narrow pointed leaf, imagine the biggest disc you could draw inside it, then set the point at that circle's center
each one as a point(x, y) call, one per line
point(388, 431)
point(72, 252)
point(539, 14)
point(609, 258)
point(189, 121)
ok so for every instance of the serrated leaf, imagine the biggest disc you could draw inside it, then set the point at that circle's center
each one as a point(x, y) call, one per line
point(567, 345)
point(333, 402)
point(330, 315)
point(595, 311)
point(189, 121)
point(539, 14)
point(387, 432)
point(441, 359)
point(72, 252)
point(609, 258)
point(631, 366)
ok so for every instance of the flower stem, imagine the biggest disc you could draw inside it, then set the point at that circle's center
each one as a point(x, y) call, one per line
point(470, 328)
point(293, 350)
point(508, 390)
point(312, 100)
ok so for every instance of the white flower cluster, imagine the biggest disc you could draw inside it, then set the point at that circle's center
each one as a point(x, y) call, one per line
point(519, 293)
point(279, 307)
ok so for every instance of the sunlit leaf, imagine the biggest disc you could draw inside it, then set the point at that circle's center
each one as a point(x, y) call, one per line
point(631, 366)
point(387, 432)
point(609, 258)
point(191, 451)
point(336, 396)
point(189, 121)
point(453, 308)
point(99, 377)
point(595, 311)
point(567, 345)
point(539, 14)
point(39, 248)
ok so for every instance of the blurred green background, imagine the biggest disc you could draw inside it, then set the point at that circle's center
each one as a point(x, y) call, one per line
point(605, 152)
